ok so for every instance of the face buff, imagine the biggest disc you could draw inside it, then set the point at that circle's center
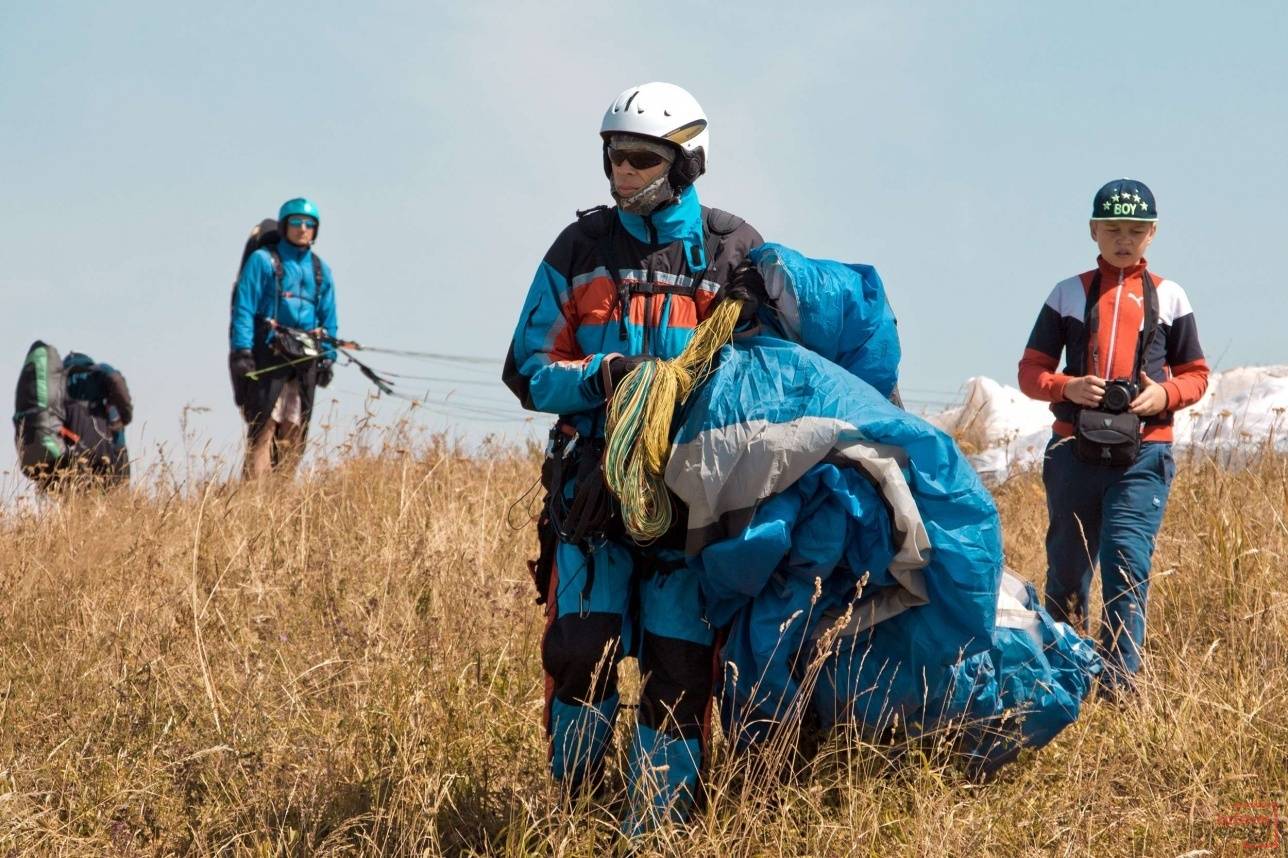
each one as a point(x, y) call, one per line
point(657, 192)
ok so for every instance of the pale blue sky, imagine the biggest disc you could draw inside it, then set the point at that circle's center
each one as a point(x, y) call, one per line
point(956, 146)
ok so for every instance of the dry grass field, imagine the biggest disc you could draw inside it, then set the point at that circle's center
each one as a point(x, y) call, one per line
point(348, 664)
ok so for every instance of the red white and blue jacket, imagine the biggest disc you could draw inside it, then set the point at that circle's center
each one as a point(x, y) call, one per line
point(1174, 358)
point(573, 316)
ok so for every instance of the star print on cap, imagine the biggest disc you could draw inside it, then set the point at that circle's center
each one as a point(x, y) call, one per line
point(1124, 199)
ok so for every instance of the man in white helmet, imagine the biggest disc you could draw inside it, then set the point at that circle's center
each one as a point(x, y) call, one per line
point(620, 286)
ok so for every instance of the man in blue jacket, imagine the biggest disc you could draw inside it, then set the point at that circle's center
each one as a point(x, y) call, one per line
point(620, 286)
point(283, 322)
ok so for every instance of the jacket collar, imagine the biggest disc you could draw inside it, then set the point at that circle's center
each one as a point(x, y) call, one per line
point(679, 221)
point(1109, 270)
point(286, 250)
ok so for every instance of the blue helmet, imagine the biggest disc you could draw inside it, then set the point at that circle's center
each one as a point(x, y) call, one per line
point(299, 206)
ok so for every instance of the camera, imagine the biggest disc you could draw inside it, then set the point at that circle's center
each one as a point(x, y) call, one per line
point(1119, 393)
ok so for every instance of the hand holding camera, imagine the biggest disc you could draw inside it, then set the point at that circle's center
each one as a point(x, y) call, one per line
point(1151, 400)
point(1085, 390)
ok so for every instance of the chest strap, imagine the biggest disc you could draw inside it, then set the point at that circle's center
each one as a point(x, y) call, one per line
point(279, 276)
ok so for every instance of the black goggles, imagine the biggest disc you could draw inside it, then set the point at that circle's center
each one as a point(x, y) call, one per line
point(640, 159)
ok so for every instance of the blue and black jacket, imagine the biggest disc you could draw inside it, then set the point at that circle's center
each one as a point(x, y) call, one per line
point(616, 282)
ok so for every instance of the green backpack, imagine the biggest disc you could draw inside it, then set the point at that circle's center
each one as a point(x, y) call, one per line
point(40, 409)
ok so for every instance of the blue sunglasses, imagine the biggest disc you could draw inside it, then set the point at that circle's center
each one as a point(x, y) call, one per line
point(307, 222)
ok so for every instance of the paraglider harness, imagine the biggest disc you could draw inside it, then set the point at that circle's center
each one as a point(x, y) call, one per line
point(291, 344)
point(593, 515)
point(287, 347)
point(588, 516)
point(600, 224)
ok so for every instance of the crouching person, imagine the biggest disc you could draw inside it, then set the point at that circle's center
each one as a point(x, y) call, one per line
point(70, 419)
point(1132, 359)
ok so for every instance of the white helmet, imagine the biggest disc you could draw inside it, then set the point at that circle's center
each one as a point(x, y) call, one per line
point(662, 111)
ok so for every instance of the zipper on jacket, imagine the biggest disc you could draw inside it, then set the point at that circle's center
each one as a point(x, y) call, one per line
point(1113, 328)
point(648, 298)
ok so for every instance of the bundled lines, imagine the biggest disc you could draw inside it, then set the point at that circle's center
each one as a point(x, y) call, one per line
point(382, 384)
point(384, 381)
point(433, 356)
point(465, 406)
point(638, 433)
point(634, 457)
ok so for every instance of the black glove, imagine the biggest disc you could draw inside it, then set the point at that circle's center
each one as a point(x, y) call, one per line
point(746, 285)
point(618, 367)
point(240, 362)
point(326, 372)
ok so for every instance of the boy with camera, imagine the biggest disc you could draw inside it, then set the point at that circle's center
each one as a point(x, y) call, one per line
point(1132, 358)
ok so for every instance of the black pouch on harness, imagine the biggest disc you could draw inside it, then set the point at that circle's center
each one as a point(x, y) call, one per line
point(593, 512)
point(1105, 438)
point(542, 569)
point(295, 345)
point(552, 469)
point(587, 517)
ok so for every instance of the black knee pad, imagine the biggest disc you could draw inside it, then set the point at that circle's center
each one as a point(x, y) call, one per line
point(580, 654)
point(678, 676)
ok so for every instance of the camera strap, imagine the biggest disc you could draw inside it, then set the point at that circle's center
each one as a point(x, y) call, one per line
point(1113, 438)
point(1091, 327)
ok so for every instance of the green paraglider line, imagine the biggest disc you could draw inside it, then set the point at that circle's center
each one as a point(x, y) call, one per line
point(254, 374)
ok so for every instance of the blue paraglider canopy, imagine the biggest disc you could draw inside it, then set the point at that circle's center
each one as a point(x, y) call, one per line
point(831, 528)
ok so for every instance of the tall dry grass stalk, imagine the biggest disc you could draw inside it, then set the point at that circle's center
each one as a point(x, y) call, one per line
point(348, 663)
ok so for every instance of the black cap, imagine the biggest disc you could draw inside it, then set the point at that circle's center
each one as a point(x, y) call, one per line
point(1124, 199)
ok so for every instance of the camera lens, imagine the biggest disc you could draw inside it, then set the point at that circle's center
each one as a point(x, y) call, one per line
point(1115, 399)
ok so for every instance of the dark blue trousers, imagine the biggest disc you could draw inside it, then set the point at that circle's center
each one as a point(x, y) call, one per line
point(1110, 516)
